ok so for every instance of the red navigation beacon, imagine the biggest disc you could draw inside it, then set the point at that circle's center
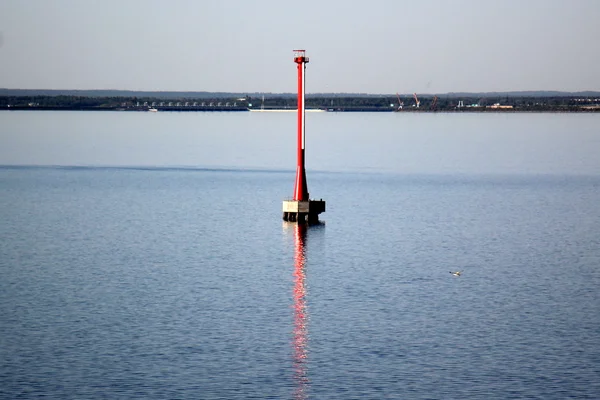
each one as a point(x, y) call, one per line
point(301, 208)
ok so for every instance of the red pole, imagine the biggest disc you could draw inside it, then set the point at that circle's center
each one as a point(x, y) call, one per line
point(301, 188)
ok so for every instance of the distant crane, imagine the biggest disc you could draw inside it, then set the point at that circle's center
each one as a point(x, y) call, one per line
point(434, 103)
point(417, 102)
point(400, 102)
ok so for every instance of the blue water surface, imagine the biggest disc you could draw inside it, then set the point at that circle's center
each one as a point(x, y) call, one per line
point(154, 282)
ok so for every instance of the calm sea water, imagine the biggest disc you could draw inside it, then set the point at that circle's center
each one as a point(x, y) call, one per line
point(150, 260)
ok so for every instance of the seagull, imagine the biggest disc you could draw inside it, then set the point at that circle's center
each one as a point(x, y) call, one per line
point(456, 273)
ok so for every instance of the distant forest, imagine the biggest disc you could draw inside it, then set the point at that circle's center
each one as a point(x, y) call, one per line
point(199, 101)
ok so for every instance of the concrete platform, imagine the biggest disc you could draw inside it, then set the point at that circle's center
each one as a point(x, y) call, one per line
point(303, 211)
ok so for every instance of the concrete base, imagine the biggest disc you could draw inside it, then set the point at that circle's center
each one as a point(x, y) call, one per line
point(303, 211)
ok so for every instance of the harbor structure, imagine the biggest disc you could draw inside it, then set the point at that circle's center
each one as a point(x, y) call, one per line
point(301, 208)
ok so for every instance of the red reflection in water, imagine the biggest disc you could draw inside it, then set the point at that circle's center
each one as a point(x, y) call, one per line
point(300, 339)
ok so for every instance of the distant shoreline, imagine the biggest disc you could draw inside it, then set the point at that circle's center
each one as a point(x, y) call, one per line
point(331, 110)
point(334, 103)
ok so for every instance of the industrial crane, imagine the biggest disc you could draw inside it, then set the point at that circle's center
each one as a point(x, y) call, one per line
point(400, 102)
point(417, 102)
point(434, 103)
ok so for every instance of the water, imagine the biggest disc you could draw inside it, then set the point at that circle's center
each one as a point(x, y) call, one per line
point(559, 144)
point(156, 281)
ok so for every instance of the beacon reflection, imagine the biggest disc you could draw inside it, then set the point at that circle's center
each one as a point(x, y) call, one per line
point(300, 334)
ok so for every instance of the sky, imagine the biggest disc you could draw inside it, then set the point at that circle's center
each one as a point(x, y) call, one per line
point(375, 46)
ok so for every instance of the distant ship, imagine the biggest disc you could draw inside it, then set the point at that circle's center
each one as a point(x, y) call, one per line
point(263, 109)
point(152, 110)
point(284, 110)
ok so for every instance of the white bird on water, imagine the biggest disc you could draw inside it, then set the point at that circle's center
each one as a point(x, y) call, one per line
point(456, 273)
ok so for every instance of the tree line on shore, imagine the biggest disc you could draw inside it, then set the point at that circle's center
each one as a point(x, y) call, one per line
point(329, 102)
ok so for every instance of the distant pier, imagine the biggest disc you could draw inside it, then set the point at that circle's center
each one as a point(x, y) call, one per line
point(194, 108)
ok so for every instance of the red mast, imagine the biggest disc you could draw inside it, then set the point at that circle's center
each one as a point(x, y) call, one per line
point(301, 188)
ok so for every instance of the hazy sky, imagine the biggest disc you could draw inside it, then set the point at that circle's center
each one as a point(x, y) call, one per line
point(374, 46)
